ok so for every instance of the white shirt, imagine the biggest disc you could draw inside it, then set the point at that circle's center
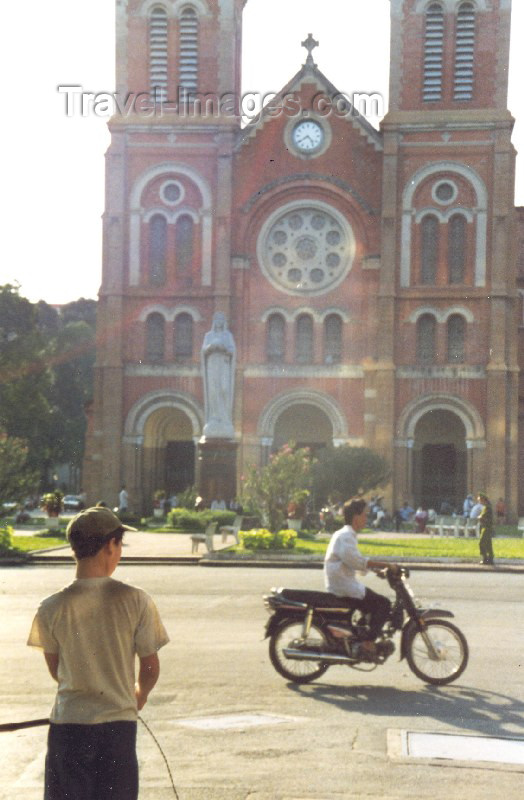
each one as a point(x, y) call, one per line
point(475, 511)
point(97, 626)
point(343, 559)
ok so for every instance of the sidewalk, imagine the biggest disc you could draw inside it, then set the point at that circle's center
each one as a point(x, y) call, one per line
point(175, 548)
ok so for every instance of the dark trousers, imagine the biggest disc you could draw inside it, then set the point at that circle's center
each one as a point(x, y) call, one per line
point(377, 606)
point(486, 544)
point(91, 762)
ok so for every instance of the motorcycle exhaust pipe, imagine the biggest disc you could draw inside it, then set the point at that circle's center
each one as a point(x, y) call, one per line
point(327, 658)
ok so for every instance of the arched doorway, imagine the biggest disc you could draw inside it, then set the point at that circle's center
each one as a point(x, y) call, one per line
point(439, 460)
point(305, 424)
point(168, 451)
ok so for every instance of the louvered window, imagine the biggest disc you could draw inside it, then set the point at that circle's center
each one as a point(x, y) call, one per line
point(433, 53)
point(456, 337)
point(464, 52)
point(333, 339)
point(158, 54)
point(426, 334)
point(155, 328)
point(456, 248)
point(276, 339)
point(188, 52)
point(304, 339)
point(157, 250)
point(429, 249)
point(183, 336)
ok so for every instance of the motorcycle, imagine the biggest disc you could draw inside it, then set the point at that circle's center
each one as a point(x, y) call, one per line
point(310, 631)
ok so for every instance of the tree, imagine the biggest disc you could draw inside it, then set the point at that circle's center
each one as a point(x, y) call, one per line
point(347, 471)
point(269, 490)
point(25, 408)
point(17, 478)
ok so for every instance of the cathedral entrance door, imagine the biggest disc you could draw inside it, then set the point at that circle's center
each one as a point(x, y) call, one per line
point(439, 461)
point(179, 466)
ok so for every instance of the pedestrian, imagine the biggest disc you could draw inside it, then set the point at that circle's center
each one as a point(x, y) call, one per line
point(467, 506)
point(485, 519)
point(421, 518)
point(123, 500)
point(90, 632)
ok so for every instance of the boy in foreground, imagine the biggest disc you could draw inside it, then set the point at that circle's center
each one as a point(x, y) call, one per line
point(90, 632)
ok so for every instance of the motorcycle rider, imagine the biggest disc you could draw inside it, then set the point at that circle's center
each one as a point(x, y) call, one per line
point(343, 559)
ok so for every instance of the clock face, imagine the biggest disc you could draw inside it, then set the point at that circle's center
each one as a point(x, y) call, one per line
point(308, 136)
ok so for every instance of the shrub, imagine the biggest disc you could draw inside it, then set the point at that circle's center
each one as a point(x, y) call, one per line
point(262, 539)
point(186, 520)
point(6, 542)
point(187, 498)
point(285, 479)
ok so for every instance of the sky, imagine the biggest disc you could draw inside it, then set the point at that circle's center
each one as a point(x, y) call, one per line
point(52, 243)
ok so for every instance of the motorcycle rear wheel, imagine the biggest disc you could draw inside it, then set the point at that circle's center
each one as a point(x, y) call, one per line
point(448, 658)
point(289, 635)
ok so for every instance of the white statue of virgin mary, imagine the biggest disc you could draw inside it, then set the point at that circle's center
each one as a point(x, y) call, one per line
point(218, 370)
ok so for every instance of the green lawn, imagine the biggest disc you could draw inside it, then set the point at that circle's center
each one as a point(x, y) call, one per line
point(38, 542)
point(447, 547)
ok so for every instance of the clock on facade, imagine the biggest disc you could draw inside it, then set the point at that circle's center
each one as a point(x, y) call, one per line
point(308, 136)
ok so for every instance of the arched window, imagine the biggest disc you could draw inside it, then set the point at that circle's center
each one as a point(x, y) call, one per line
point(155, 326)
point(332, 339)
point(456, 248)
point(276, 339)
point(183, 336)
point(188, 52)
point(304, 339)
point(426, 339)
point(433, 53)
point(456, 339)
point(158, 54)
point(464, 52)
point(184, 245)
point(429, 249)
point(157, 250)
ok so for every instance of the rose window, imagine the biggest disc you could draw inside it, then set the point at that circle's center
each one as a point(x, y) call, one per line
point(306, 249)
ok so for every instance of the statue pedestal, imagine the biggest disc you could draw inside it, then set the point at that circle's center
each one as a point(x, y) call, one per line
point(217, 469)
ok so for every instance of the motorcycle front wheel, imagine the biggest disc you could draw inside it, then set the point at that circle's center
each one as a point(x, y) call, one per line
point(289, 637)
point(438, 654)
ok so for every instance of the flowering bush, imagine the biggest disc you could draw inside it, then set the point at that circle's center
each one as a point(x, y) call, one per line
point(262, 539)
point(286, 479)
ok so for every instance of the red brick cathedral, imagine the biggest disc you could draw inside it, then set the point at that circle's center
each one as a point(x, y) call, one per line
point(367, 280)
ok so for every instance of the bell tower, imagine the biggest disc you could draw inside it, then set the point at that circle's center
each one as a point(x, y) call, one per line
point(167, 227)
point(448, 281)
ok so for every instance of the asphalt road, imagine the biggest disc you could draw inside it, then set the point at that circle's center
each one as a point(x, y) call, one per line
point(324, 741)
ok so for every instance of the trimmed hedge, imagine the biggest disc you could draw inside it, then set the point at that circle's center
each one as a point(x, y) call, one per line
point(185, 520)
point(262, 539)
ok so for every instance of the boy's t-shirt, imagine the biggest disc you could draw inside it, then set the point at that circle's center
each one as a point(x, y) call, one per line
point(97, 626)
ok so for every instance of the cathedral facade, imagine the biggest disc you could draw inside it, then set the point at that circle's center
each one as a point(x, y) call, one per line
point(369, 278)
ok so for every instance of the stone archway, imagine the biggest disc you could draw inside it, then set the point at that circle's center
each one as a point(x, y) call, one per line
point(161, 432)
point(440, 451)
point(168, 452)
point(306, 425)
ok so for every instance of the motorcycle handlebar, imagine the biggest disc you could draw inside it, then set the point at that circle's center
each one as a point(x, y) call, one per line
point(389, 572)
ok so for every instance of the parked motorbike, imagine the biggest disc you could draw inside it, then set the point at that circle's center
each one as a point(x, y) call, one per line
point(310, 631)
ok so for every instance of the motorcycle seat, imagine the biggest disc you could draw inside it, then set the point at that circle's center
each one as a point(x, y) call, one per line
point(320, 600)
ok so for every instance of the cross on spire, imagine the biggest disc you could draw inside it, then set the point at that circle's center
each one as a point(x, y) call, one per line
point(310, 43)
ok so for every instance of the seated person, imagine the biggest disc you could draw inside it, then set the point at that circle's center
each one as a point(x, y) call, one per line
point(343, 559)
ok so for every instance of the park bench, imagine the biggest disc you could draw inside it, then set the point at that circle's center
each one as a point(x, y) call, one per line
point(206, 538)
point(520, 527)
point(233, 529)
point(453, 526)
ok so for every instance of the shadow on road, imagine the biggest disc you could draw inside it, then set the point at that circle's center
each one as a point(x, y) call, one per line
point(460, 706)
